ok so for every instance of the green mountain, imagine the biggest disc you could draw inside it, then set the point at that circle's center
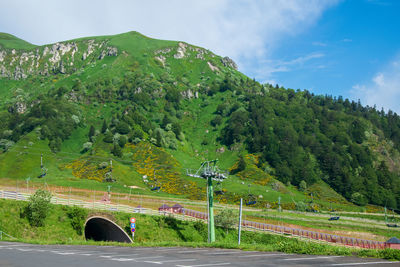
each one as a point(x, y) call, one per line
point(158, 108)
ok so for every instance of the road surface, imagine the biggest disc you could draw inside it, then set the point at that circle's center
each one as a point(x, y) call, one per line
point(22, 255)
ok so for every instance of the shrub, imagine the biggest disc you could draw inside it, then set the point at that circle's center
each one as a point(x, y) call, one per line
point(117, 151)
point(108, 138)
point(38, 207)
point(77, 215)
point(216, 121)
point(122, 128)
point(87, 146)
point(301, 206)
point(6, 144)
point(358, 199)
point(226, 219)
point(303, 186)
point(122, 141)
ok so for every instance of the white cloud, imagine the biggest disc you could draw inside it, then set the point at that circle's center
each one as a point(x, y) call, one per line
point(269, 67)
point(383, 90)
point(347, 40)
point(245, 30)
point(319, 44)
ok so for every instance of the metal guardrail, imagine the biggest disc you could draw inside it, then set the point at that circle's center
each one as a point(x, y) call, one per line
point(193, 215)
point(4, 233)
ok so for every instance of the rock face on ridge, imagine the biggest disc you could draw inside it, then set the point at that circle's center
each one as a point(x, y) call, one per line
point(227, 62)
point(64, 57)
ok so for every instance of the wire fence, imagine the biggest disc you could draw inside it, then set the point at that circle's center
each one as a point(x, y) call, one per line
point(102, 202)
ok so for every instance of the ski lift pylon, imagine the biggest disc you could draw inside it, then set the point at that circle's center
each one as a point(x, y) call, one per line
point(251, 198)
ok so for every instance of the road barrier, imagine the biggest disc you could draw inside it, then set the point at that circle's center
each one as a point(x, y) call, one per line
point(193, 215)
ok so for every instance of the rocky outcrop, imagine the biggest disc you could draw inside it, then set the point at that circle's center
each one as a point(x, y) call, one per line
point(64, 57)
point(18, 107)
point(180, 52)
point(2, 55)
point(188, 94)
point(19, 73)
point(161, 58)
point(212, 67)
point(227, 62)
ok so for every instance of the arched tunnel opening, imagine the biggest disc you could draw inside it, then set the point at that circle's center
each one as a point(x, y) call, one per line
point(103, 229)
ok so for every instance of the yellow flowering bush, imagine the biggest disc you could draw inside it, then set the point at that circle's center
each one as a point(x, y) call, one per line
point(85, 169)
point(163, 170)
point(252, 172)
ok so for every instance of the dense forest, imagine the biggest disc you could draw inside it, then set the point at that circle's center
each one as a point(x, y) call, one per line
point(307, 137)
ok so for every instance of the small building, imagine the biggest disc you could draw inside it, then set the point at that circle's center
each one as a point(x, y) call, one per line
point(165, 208)
point(393, 242)
point(177, 208)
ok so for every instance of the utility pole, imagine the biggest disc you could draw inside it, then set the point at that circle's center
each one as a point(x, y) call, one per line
point(211, 226)
point(240, 220)
point(111, 177)
point(385, 215)
point(279, 203)
point(27, 184)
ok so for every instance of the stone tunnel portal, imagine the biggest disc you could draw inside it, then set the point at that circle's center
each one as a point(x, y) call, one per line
point(102, 229)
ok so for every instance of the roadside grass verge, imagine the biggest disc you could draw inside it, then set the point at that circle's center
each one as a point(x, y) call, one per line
point(161, 231)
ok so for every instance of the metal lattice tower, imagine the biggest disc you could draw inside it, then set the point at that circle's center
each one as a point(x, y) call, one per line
point(210, 172)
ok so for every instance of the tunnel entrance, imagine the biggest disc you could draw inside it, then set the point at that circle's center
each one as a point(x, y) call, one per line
point(102, 229)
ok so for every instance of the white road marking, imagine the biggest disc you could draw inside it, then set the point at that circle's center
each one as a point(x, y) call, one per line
point(167, 249)
point(364, 263)
point(121, 255)
point(24, 249)
point(211, 264)
point(122, 259)
point(226, 252)
point(65, 253)
point(190, 251)
point(260, 255)
point(143, 249)
point(153, 257)
point(161, 262)
point(313, 258)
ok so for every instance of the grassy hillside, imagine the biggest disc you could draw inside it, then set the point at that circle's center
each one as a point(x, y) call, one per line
point(11, 42)
point(157, 108)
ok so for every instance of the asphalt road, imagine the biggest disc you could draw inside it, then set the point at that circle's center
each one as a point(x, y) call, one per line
point(28, 255)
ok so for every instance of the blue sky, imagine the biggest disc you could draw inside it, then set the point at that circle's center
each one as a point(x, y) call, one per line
point(349, 48)
point(335, 47)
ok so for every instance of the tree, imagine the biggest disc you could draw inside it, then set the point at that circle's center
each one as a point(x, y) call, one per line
point(104, 127)
point(77, 215)
point(55, 144)
point(87, 146)
point(226, 219)
point(216, 121)
point(358, 199)
point(38, 207)
point(108, 138)
point(303, 186)
point(241, 165)
point(122, 141)
point(91, 132)
point(122, 128)
point(117, 151)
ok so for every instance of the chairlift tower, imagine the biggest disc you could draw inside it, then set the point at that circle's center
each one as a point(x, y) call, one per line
point(43, 169)
point(210, 172)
